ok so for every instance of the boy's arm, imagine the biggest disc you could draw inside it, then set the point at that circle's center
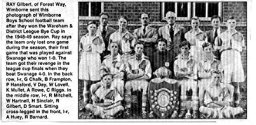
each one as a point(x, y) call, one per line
point(93, 90)
point(100, 47)
point(148, 72)
point(202, 73)
point(152, 39)
point(130, 74)
point(177, 72)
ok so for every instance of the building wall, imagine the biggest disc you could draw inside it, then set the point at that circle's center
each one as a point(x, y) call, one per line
point(133, 10)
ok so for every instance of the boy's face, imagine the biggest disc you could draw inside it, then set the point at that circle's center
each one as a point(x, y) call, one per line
point(122, 23)
point(139, 49)
point(208, 49)
point(231, 24)
point(216, 23)
point(92, 29)
point(194, 24)
point(184, 49)
point(114, 48)
point(107, 80)
point(161, 46)
point(216, 78)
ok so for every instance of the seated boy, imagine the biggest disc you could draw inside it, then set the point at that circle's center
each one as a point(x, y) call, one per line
point(106, 99)
point(217, 99)
point(186, 72)
point(206, 66)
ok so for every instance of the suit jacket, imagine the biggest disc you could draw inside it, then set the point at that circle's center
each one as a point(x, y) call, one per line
point(150, 34)
point(210, 39)
point(109, 31)
point(178, 37)
point(210, 35)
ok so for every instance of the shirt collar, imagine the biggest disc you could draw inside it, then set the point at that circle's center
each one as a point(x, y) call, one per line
point(173, 26)
point(232, 32)
point(181, 57)
point(123, 33)
point(218, 31)
point(142, 27)
point(162, 52)
point(101, 27)
point(205, 59)
point(143, 57)
point(118, 57)
point(197, 31)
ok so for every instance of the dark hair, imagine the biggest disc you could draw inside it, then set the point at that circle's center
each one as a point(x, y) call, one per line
point(215, 17)
point(231, 18)
point(146, 14)
point(118, 46)
point(106, 74)
point(184, 43)
point(91, 22)
point(138, 42)
point(124, 18)
point(104, 13)
point(162, 40)
point(206, 44)
point(195, 18)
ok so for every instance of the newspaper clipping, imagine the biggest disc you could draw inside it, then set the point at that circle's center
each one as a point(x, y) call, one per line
point(39, 73)
point(80, 60)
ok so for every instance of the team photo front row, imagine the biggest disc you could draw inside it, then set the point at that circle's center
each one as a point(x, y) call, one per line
point(164, 73)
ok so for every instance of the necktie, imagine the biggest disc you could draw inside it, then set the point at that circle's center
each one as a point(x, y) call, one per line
point(215, 34)
point(144, 30)
point(103, 33)
point(171, 32)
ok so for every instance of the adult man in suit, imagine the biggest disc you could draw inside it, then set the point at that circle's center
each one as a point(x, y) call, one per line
point(146, 34)
point(214, 33)
point(171, 32)
point(105, 31)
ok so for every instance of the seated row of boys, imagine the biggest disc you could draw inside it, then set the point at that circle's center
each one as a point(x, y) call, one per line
point(215, 97)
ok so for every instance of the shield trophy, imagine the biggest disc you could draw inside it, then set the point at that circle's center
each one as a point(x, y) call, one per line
point(163, 98)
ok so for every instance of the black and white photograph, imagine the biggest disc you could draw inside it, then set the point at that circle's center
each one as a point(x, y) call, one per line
point(162, 60)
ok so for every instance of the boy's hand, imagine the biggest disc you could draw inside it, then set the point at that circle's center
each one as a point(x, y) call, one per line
point(141, 72)
point(119, 75)
point(95, 99)
point(89, 48)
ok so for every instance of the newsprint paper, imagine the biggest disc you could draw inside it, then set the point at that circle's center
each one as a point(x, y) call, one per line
point(139, 61)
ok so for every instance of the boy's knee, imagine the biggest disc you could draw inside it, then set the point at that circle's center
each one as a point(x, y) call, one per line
point(89, 107)
point(128, 85)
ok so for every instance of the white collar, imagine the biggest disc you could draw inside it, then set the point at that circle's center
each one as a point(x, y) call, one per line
point(101, 27)
point(118, 57)
point(232, 32)
point(196, 31)
point(142, 27)
point(173, 26)
point(181, 58)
